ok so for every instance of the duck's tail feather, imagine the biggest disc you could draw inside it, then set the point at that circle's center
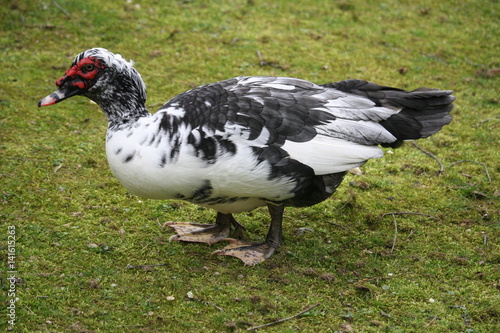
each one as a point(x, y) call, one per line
point(423, 111)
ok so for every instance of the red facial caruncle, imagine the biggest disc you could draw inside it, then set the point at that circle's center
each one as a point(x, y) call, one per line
point(86, 69)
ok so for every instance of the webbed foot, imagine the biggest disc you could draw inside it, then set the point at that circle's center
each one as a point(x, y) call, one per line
point(204, 233)
point(198, 233)
point(250, 253)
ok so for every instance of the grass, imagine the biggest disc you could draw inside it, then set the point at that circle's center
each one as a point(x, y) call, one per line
point(78, 229)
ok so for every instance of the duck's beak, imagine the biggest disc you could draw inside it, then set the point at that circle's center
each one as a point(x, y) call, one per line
point(68, 87)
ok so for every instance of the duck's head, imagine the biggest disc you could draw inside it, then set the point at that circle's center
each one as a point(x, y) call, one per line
point(102, 76)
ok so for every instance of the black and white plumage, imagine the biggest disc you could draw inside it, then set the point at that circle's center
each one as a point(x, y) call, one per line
point(246, 142)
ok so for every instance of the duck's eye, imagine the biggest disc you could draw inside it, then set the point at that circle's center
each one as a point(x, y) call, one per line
point(88, 67)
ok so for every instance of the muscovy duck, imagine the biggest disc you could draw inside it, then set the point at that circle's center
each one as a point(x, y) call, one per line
point(246, 142)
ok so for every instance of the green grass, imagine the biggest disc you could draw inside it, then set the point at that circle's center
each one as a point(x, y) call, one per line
point(77, 228)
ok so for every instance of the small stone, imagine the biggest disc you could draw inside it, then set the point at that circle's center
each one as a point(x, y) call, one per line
point(356, 171)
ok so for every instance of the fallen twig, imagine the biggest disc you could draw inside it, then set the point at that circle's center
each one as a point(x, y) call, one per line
point(411, 233)
point(57, 168)
point(432, 321)
point(214, 305)
point(469, 161)
point(145, 266)
point(486, 120)
point(395, 233)
point(410, 213)
point(191, 297)
point(441, 166)
point(26, 307)
point(338, 225)
point(284, 319)
point(393, 214)
point(61, 8)
point(349, 200)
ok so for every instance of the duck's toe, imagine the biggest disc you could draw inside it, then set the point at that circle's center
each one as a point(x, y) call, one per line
point(250, 253)
point(198, 233)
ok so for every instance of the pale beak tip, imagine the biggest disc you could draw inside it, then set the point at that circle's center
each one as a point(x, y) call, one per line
point(49, 100)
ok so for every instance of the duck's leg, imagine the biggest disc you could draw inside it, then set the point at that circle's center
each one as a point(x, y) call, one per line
point(255, 253)
point(204, 233)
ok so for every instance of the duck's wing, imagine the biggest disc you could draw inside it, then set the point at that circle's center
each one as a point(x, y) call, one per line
point(329, 128)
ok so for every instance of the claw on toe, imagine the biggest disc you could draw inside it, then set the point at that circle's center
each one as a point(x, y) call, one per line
point(250, 253)
point(199, 233)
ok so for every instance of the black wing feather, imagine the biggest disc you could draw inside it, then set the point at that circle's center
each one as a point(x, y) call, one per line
point(286, 114)
point(295, 112)
point(424, 111)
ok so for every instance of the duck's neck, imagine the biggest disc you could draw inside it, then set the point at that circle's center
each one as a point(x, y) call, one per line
point(124, 113)
point(123, 101)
